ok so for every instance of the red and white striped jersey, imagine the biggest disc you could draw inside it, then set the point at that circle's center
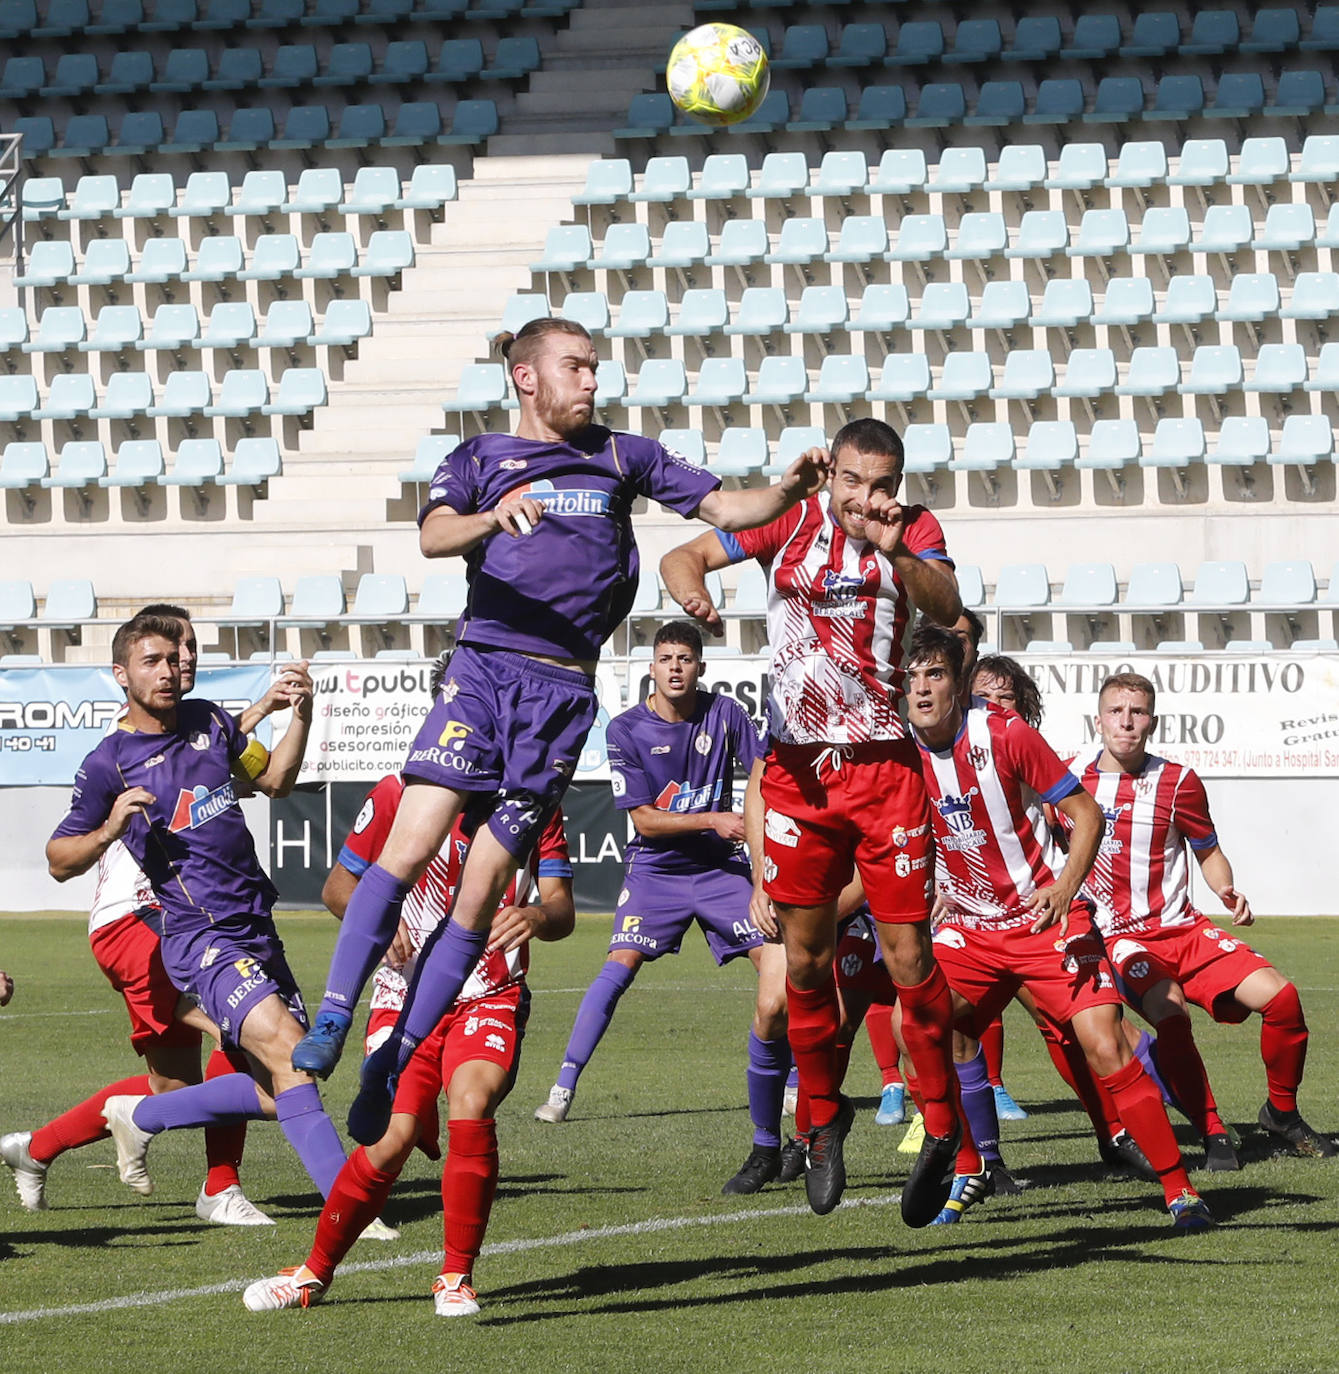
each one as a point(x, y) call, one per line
point(120, 888)
point(1141, 879)
point(993, 847)
point(837, 619)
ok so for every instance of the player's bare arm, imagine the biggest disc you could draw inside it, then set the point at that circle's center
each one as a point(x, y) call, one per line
point(930, 583)
point(68, 856)
point(750, 507)
point(653, 823)
point(761, 912)
point(445, 533)
point(276, 779)
point(1052, 903)
point(276, 697)
point(1218, 874)
point(684, 571)
point(553, 918)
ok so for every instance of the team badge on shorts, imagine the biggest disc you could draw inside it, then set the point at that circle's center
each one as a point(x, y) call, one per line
point(1139, 969)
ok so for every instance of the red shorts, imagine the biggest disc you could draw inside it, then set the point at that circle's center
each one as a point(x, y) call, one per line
point(1210, 965)
point(1065, 975)
point(831, 811)
point(859, 969)
point(127, 952)
point(489, 1028)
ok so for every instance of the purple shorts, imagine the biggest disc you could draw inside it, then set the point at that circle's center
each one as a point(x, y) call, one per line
point(230, 966)
point(510, 726)
point(655, 909)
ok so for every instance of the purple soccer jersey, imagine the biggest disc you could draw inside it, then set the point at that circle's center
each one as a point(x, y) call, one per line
point(562, 589)
point(681, 766)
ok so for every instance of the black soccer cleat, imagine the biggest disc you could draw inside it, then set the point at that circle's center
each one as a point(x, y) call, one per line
point(1006, 1185)
point(1219, 1156)
point(824, 1167)
point(1123, 1152)
point(792, 1159)
point(927, 1189)
point(1299, 1136)
point(762, 1166)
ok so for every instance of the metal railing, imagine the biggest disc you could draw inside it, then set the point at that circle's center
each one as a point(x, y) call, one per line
point(11, 176)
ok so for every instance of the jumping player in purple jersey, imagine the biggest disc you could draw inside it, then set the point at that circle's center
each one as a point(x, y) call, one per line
point(165, 784)
point(672, 761)
point(544, 521)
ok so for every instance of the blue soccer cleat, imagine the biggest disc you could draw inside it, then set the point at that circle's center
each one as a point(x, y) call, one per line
point(892, 1106)
point(319, 1050)
point(967, 1191)
point(1190, 1212)
point(370, 1111)
point(1005, 1107)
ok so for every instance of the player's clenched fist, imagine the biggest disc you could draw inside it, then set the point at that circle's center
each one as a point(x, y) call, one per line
point(132, 802)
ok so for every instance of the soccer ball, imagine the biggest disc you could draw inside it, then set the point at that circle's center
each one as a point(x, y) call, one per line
point(718, 74)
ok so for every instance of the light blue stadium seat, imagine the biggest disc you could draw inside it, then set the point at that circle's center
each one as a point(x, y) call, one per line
point(231, 324)
point(1128, 301)
point(687, 443)
point(944, 305)
point(1305, 441)
point(18, 398)
point(1220, 582)
point(904, 377)
point(1252, 297)
point(69, 396)
point(255, 460)
point(1003, 305)
point(641, 315)
point(1022, 586)
point(1319, 161)
point(1102, 233)
point(802, 239)
point(1189, 300)
point(275, 257)
point(780, 380)
point(443, 596)
point(1088, 584)
point(301, 390)
point(742, 241)
point(841, 173)
point(964, 377)
point(1119, 99)
point(183, 394)
point(793, 441)
point(95, 197)
point(1242, 441)
point(1153, 585)
point(781, 177)
point(432, 186)
point(262, 194)
point(661, 382)
point(611, 384)
point(1176, 444)
point(1165, 230)
point(318, 190)
point(23, 464)
point(960, 171)
point(106, 261)
point(13, 329)
point(317, 599)
point(1203, 162)
point(80, 463)
point(139, 463)
point(762, 310)
point(942, 104)
point(1052, 445)
point(173, 327)
point(1326, 375)
point(42, 198)
point(1214, 369)
point(723, 177)
point(333, 254)
point(741, 451)
point(117, 327)
point(720, 382)
point(1089, 372)
point(219, 258)
point(50, 263)
point(127, 394)
point(684, 244)
point(344, 323)
point(1153, 372)
point(986, 447)
point(664, 179)
point(287, 324)
point(918, 42)
point(884, 306)
point(374, 191)
point(521, 308)
point(60, 329)
point(587, 308)
point(1041, 234)
point(1290, 582)
point(920, 238)
point(1021, 166)
point(206, 194)
point(901, 172)
point(842, 378)
point(1279, 369)
point(862, 239)
point(389, 252)
point(1226, 229)
point(1028, 372)
point(1287, 228)
point(1328, 235)
point(981, 234)
point(822, 309)
point(151, 194)
point(1081, 167)
point(929, 449)
point(1065, 303)
point(243, 392)
point(431, 452)
point(567, 247)
point(255, 602)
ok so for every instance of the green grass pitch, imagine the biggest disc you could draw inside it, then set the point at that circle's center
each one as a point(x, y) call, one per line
point(610, 1246)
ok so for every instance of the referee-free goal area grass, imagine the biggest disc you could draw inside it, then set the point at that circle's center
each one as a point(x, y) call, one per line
point(611, 1247)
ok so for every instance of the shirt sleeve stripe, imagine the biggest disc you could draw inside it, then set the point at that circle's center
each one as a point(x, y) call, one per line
point(555, 868)
point(355, 863)
point(1206, 841)
point(1064, 787)
point(733, 548)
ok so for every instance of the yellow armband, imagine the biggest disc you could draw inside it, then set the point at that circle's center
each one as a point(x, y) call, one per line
point(254, 759)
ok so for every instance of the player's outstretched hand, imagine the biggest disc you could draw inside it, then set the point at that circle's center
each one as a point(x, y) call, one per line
point(401, 949)
point(807, 474)
point(1052, 907)
point(6, 988)
point(884, 522)
point(1236, 903)
point(512, 927)
point(518, 515)
point(763, 914)
point(729, 825)
point(134, 801)
point(703, 610)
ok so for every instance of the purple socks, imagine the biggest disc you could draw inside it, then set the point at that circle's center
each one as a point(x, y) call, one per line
point(769, 1063)
point(311, 1133)
point(1146, 1052)
point(978, 1105)
point(444, 963)
point(368, 927)
point(217, 1102)
point(593, 1018)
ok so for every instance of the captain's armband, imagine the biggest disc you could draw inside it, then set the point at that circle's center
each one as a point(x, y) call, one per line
point(254, 759)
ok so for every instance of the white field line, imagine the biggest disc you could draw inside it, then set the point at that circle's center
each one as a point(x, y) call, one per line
point(503, 1247)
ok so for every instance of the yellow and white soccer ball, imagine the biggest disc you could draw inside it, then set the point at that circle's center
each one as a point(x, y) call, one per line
point(718, 73)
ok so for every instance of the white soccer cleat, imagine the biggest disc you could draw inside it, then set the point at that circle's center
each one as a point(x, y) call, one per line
point(29, 1175)
point(376, 1229)
point(231, 1207)
point(557, 1107)
point(452, 1296)
point(132, 1144)
point(286, 1289)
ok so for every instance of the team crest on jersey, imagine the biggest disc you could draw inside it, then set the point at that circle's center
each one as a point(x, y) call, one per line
point(904, 865)
point(977, 757)
point(957, 815)
point(197, 807)
point(1144, 784)
point(703, 743)
point(448, 693)
point(199, 741)
point(453, 732)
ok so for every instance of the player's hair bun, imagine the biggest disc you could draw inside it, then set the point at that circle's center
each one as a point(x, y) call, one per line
point(503, 341)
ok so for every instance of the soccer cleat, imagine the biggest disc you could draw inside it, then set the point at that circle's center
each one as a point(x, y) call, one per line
point(284, 1290)
point(452, 1296)
point(910, 1144)
point(967, 1191)
point(762, 1166)
point(376, 1229)
point(1219, 1156)
point(1122, 1152)
point(370, 1110)
point(1005, 1107)
point(824, 1166)
point(1190, 1212)
point(931, 1179)
point(1004, 1183)
point(132, 1144)
point(319, 1050)
point(1300, 1137)
point(231, 1207)
point(788, 1100)
point(793, 1154)
point(557, 1107)
point(892, 1106)
point(29, 1175)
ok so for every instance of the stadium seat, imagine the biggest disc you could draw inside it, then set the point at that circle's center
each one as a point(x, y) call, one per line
point(472, 122)
point(1119, 99)
point(821, 310)
point(723, 177)
point(1297, 94)
point(237, 69)
point(1279, 369)
point(231, 324)
point(1287, 228)
point(39, 134)
point(960, 172)
point(1176, 444)
point(641, 315)
point(1051, 446)
point(305, 126)
point(140, 132)
point(842, 378)
point(13, 329)
point(964, 377)
point(1189, 299)
point(318, 599)
point(929, 449)
point(860, 45)
point(981, 234)
point(23, 464)
point(1155, 34)
point(95, 197)
point(802, 240)
point(301, 390)
point(344, 323)
point(205, 195)
point(333, 254)
point(1239, 95)
point(50, 263)
point(661, 382)
point(1154, 585)
point(1081, 167)
point(884, 306)
point(1214, 369)
point(174, 327)
point(1128, 301)
point(625, 248)
point(275, 257)
point(1003, 305)
point(1203, 162)
point(287, 324)
point(389, 252)
point(1022, 586)
point(18, 398)
point(986, 447)
point(1220, 583)
point(69, 396)
point(943, 306)
point(781, 177)
point(920, 238)
point(1252, 297)
point(1089, 372)
point(139, 463)
point(942, 104)
point(567, 248)
point(780, 381)
point(41, 197)
point(1065, 303)
point(219, 258)
point(862, 239)
point(151, 193)
point(126, 395)
point(793, 441)
point(589, 309)
point(1102, 233)
point(432, 186)
point(1289, 582)
point(374, 191)
point(742, 241)
point(684, 244)
point(1242, 441)
point(1021, 166)
point(243, 392)
point(1319, 161)
point(665, 179)
point(1060, 100)
point(649, 116)
point(1041, 234)
point(1153, 372)
point(687, 443)
point(60, 329)
point(1323, 35)
point(1088, 584)
point(1028, 373)
point(879, 107)
point(840, 174)
point(919, 42)
point(106, 261)
point(1305, 441)
point(262, 194)
point(1165, 230)
point(1328, 236)
point(720, 382)
point(360, 126)
point(1036, 38)
point(901, 172)
point(1139, 164)
point(821, 108)
point(1315, 296)
point(998, 103)
point(802, 46)
point(254, 461)
point(904, 377)
point(611, 384)
point(80, 464)
point(183, 394)
point(129, 71)
point(1179, 97)
point(741, 451)
point(443, 596)
point(431, 452)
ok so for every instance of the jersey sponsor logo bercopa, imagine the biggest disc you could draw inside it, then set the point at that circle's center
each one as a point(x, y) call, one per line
point(199, 806)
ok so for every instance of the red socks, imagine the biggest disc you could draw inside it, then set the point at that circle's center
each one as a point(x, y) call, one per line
point(815, 1018)
point(1283, 1039)
point(927, 1015)
point(469, 1181)
point(1073, 1068)
point(359, 1194)
point(1183, 1071)
point(224, 1144)
point(84, 1124)
point(879, 1024)
point(992, 1041)
point(1140, 1106)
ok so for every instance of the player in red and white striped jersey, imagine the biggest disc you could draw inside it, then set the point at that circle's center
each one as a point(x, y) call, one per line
point(1015, 916)
point(841, 785)
point(1164, 950)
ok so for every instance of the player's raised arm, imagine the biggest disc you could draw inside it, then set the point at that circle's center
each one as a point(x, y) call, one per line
point(930, 582)
point(280, 772)
point(276, 697)
point(750, 507)
point(684, 571)
point(445, 533)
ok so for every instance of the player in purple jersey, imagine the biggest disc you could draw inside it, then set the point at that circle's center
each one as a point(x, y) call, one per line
point(672, 761)
point(544, 521)
point(165, 784)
